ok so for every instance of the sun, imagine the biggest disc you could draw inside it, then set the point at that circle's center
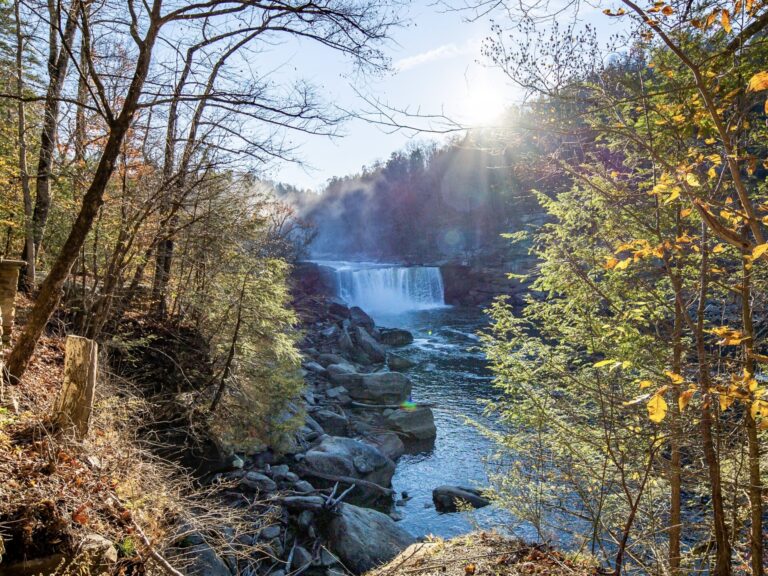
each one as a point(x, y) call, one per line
point(484, 105)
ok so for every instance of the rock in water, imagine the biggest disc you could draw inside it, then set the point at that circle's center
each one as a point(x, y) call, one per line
point(398, 363)
point(446, 498)
point(413, 424)
point(364, 539)
point(395, 337)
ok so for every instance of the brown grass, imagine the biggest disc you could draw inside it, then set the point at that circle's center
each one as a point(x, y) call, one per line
point(483, 553)
point(55, 490)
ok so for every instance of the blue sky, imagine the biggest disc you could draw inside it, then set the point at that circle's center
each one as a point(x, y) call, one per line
point(438, 69)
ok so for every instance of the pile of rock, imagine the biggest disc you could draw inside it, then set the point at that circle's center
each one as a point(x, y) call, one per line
point(357, 422)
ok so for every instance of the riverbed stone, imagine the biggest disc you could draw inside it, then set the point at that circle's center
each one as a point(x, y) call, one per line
point(369, 346)
point(364, 538)
point(340, 369)
point(270, 532)
point(348, 457)
point(379, 388)
point(258, 482)
point(395, 337)
point(303, 487)
point(315, 367)
point(327, 359)
point(389, 443)
point(301, 558)
point(338, 394)
point(338, 309)
point(360, 318)
point(446, 498)
point(333, 423)
point(398, 363)
point(413, 423)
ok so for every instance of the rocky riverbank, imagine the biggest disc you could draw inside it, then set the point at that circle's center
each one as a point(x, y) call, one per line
point(329, 485)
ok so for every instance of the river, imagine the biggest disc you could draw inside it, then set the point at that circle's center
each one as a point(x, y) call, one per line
point(451, 374)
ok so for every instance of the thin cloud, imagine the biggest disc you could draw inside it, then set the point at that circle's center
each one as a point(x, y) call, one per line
point(444, 52)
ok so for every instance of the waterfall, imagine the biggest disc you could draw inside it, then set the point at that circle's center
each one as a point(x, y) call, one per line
point(386, 288)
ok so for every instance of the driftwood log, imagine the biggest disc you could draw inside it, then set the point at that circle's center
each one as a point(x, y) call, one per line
point(392, 406)
point(75, 402)
point(303, 471)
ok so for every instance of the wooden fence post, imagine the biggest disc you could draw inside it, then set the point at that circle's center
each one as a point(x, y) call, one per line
point(75, 402)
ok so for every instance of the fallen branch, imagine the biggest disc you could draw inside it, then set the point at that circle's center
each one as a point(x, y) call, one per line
point(156, 556)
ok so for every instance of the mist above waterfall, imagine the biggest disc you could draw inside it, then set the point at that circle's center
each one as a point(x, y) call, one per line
point(425, 205)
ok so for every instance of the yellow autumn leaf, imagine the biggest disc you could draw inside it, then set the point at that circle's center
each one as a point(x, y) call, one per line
point(674, 195)
point(710, 141)
point(645, 383)
point(685, 212)
point(623, 264)
point(758, 82)
point(676, 378)
point(725, 20)
point(725, 401)
point(759, 408)
point(657, 408)
point(759, 250)
point(603, 363)
point(685, 398)
point(692, 180)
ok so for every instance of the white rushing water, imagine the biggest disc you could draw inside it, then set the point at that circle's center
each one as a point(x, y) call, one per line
point(387, 288)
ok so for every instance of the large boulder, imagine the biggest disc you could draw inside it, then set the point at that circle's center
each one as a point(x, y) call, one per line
point(378, 388)
point(337, 456)
point(446, 498)
point(395, 337)
point(389, 443)
point(413, 423)
point(360, 318)
point(369, 346)
point(364, 539)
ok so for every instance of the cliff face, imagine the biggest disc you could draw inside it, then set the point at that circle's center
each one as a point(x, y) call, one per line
point(479, 285)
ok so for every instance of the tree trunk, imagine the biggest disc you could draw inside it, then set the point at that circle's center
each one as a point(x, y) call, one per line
point(27, 278)
point(58, 61)
point(50, 291)
point(753, 443)
point(675, 483)
point(723, 558)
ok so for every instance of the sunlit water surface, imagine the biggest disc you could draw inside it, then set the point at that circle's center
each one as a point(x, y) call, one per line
point(451, 374)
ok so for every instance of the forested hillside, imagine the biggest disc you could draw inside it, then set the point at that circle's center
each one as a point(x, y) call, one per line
point(433, 203)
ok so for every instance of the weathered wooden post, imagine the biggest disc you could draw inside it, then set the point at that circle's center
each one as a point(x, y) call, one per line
point(75, 402)
point(9, 281)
